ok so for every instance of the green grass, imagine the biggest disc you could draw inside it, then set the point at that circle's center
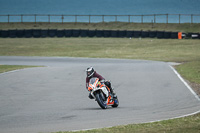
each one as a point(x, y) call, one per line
point(184, 27)
point(6, 68)
point(189, 124)
point(190, 71)
point(148, 49)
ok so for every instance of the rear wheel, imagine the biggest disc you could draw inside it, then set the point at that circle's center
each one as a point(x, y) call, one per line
point(101, 100)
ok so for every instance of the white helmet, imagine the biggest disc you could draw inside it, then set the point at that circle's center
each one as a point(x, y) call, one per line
point(90, 72)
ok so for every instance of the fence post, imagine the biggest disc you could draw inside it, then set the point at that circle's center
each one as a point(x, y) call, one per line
point(75, 18)
point(8, 18)
point(129, 19)
point(89, 18)
point(21, 18)
point(191, 18)
point(167, 18)
point(179, 18)
point(142, 19)
point(62, 18)
point(103, 18)
point(49, 18)
point(35, 18)
point(154, 18)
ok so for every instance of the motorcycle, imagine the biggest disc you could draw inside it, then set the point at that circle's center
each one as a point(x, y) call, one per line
point(102, 94)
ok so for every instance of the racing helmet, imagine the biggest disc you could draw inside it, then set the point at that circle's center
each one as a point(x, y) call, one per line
point(90, 72)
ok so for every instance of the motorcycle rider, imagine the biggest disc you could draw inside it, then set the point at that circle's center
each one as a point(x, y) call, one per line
point(91, 74)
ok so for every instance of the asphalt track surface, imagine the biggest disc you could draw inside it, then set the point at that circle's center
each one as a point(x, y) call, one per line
point(54, 98)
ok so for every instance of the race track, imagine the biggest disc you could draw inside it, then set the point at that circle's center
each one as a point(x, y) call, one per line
point(54, 98)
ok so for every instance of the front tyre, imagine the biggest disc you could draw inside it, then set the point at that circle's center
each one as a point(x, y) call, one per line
point(116, 103)
point(101, 100)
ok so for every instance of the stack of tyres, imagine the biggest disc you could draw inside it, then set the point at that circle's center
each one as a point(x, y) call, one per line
point(20, 33)
point(167, 34)
point(144, 34)
point(75, 33)
point(4, 33)
point(137, 34)
point(99, 33)
point(52, 33)
point(174, 35)
point(91, 33)
point(68, 33)
point(122, 33)
point(160, 34)
point(60, 33)
point(106, 33)
point(84, 33)
point(114, 33)
point(12, 33)
point(152, 34)
point(129, 34)
point(28, 33)
point(44, 33)
point(37, 33)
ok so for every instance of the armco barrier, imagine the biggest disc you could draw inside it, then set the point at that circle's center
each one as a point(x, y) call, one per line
point(38, 33)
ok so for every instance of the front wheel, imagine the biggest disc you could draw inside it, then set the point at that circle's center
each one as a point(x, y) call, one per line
point(101, 100)
point(116, 103)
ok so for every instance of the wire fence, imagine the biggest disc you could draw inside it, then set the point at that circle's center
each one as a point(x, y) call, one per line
point(152, 18)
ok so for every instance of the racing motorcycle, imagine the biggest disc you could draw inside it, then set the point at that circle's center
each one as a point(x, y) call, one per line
point(102, 94)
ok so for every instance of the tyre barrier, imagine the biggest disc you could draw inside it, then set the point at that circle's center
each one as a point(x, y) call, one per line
point(38, 33)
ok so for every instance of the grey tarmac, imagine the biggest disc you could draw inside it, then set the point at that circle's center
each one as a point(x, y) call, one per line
point(53, 97)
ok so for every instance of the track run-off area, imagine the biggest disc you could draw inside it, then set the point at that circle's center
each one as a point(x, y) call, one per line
point(53, 97)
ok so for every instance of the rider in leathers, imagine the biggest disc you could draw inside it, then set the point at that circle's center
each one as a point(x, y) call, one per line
point(91, 74)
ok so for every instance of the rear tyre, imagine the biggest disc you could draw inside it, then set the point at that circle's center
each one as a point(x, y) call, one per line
point(101, 100)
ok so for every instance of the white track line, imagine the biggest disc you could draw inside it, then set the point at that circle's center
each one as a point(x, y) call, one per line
point(185, 83)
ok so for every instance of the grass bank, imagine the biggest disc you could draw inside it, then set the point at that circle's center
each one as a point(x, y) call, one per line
point(184, 27)
point(148, 49)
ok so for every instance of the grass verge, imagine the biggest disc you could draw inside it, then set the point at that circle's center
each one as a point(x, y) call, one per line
point(184, 27)
point(6, 68)
point(190, 124)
